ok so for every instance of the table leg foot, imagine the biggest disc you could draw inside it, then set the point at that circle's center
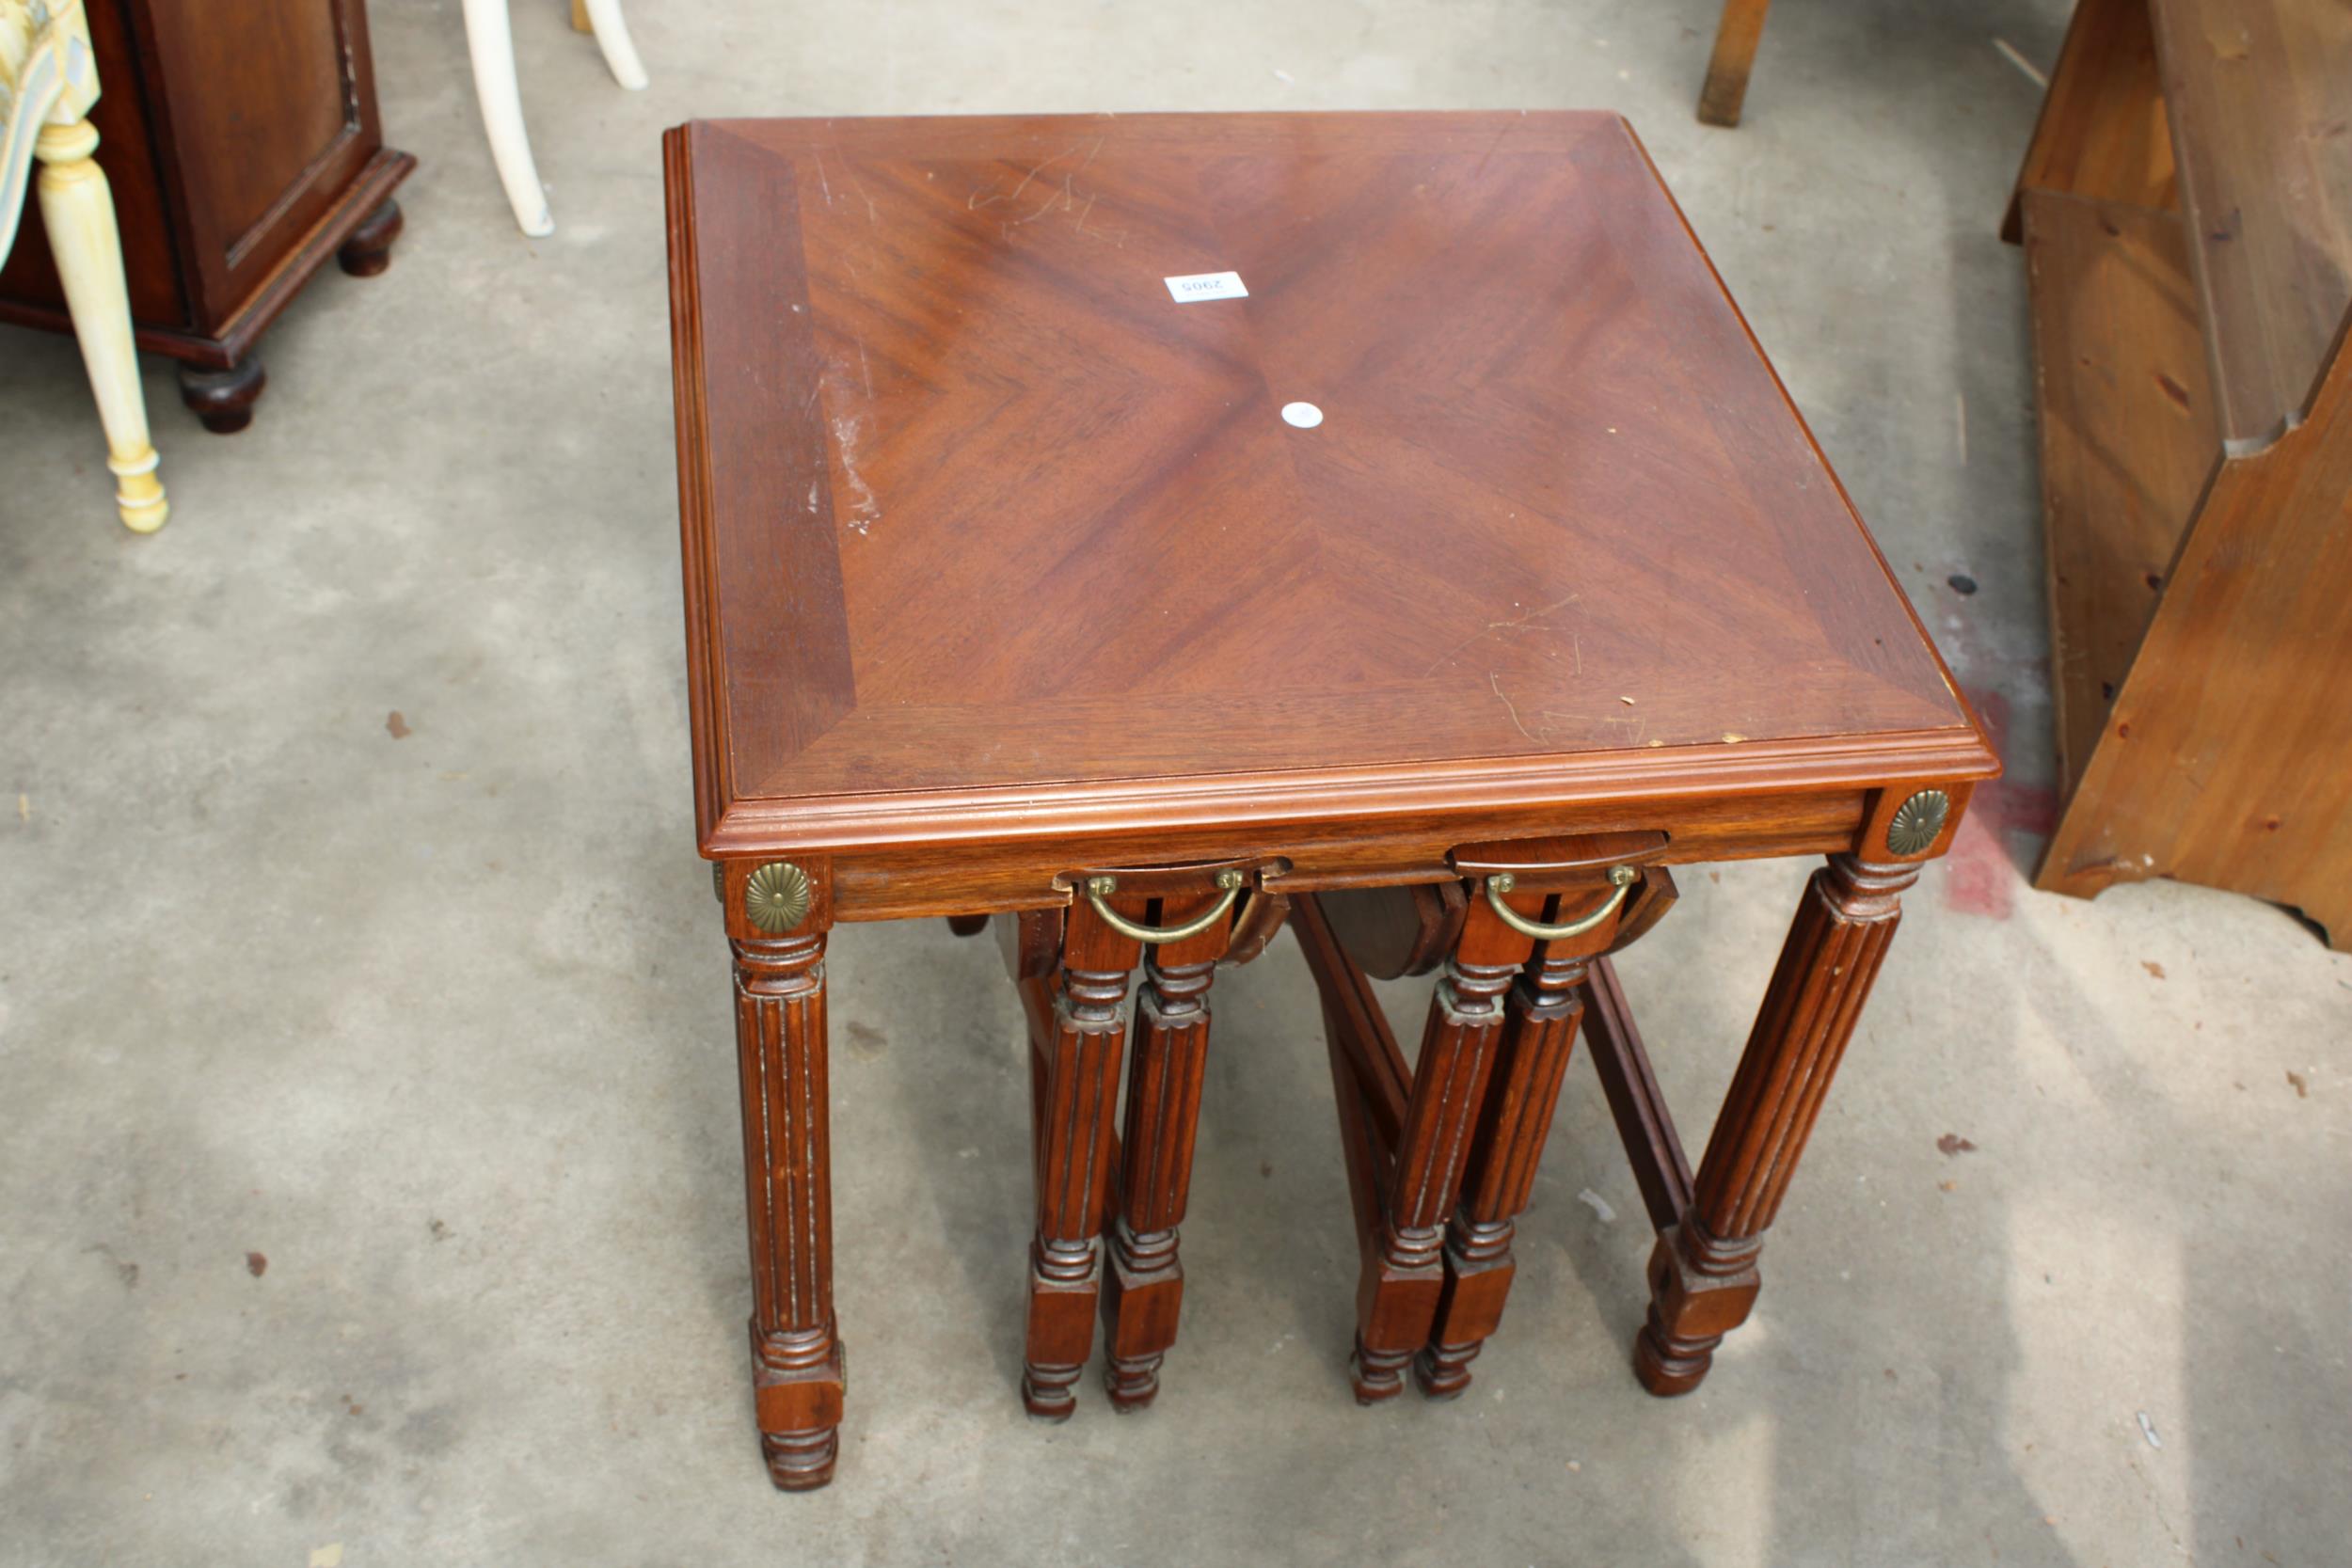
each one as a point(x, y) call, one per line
point(1132, 1381)
point(1700, 1290)
point(1142, 1293)
point(1377, 1374)
point(1668, 1365)
point(1047, 1392)
point(801, 1460)
point(1442, 1371)
point(1065, 1278)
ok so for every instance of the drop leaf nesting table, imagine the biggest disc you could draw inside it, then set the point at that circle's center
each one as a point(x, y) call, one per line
point(1112, 523)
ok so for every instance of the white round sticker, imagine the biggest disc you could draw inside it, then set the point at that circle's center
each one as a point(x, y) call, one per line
point(1306, 416)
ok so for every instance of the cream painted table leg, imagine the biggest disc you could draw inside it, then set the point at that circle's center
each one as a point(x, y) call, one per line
point(620, 55)
point(491, 41)
point(79, 211)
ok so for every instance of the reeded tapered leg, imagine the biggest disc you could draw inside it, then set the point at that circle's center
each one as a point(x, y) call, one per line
point(1145, 1286)
point(797, 1368)
point(1703, 1275)
point(1398, 1296)
point(1077, 1080)
point(1538, 1034)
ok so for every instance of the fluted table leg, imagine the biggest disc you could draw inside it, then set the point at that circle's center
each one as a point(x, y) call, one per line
point(1145, 1287)
point(1538, 1033)
point(1703, 1274)
point(796, 1365)
point(1398, 1297)
point(1077, 1080)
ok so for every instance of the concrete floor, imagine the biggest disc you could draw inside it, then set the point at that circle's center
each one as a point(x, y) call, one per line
point(438, 1025)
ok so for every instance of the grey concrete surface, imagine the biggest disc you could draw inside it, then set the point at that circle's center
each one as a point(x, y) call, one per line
point(440, 1025)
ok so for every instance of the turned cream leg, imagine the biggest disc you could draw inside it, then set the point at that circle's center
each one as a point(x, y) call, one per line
point(79, 211)
point(620, 55)
point(491, 42)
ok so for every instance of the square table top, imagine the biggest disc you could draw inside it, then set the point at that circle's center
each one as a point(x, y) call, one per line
point(987, 532)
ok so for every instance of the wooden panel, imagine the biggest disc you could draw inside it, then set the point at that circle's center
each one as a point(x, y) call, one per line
point(271, 127)
point(2258, 92)
point(2103, 132)
point(126, 152)
point(2228, 759)
point(2127, 435)
point(286, 55)
point(1558, 507)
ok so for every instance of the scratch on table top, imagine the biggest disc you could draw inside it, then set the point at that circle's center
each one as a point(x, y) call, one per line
point(973, 202)
point(866, 509)
point(1640, 722)
point(865, 370)
point(822, 184)
point(1068, 196)
point(1529, 622)
point(1494, 683)
point(1062, 195)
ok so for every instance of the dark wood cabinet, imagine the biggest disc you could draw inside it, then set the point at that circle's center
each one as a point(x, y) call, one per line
point(242, 141)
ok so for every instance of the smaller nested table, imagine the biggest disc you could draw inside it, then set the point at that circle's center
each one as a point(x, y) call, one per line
point(1128, 525)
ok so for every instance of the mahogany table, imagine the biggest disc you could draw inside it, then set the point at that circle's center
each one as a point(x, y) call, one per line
point(1112, 523)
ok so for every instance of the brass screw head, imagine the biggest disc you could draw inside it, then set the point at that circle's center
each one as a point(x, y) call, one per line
point(1917, 821)
point(777, 898)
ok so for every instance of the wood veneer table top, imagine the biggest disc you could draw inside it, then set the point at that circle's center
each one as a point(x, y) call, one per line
point(988, 535)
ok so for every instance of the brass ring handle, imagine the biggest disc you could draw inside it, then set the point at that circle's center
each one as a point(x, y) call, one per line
point(1624, 877)
point(1100, 888)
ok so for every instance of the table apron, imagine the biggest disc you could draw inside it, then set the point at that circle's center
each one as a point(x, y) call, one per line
point(901, 882)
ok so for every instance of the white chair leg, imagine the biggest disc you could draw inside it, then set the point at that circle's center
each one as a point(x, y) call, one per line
point(79, 211)
point(620, 55)
point(492, 44)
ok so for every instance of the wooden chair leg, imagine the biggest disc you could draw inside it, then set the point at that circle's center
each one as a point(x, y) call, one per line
point(1703, 1272)
point(490, 39)
point(796, 1365)
point(1074, 1088)
point(79, 213)
point(1736, 38)
point(1144, 1288)
point(1538, 1034)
